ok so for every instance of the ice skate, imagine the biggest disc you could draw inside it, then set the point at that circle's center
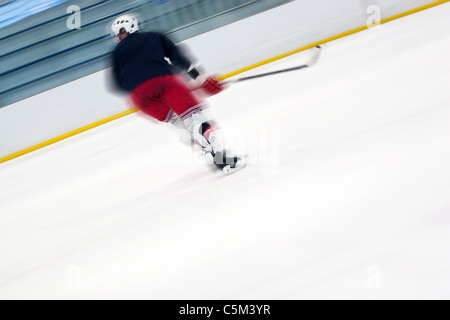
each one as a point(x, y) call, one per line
point(228, 164)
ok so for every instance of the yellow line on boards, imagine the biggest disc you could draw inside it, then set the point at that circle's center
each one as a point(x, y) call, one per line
point(67, 135)
point(225, 76)
point(338, 36)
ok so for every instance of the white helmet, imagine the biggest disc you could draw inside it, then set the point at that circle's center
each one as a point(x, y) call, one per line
point(128, 22)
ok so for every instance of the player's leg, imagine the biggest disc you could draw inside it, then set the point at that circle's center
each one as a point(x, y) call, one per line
point(202, 127)
point(189, 112)
point(146, 97)
point(202, 130)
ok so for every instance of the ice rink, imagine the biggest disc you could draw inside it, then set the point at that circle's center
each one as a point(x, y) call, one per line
point(346, 195)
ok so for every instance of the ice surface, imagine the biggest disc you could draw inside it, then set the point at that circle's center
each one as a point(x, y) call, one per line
point(347, 194)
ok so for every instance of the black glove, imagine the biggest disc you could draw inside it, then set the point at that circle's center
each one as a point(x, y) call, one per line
point(193, 73)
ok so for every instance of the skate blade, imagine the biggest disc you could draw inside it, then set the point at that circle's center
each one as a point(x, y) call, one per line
point(238, 166)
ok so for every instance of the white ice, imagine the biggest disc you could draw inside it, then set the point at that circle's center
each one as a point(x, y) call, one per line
point(347, 194)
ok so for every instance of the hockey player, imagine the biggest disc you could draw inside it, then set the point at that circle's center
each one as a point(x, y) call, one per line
point(155, 87)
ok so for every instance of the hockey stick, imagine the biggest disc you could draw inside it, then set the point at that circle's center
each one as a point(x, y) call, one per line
point(312, 61)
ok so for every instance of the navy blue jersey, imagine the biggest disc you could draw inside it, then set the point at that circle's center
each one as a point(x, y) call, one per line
point(141, 57)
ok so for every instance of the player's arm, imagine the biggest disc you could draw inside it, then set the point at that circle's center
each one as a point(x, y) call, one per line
point(179, 59)
point(175, 55)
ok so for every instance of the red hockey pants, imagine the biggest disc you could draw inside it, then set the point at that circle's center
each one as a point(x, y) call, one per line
point(163, 96)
